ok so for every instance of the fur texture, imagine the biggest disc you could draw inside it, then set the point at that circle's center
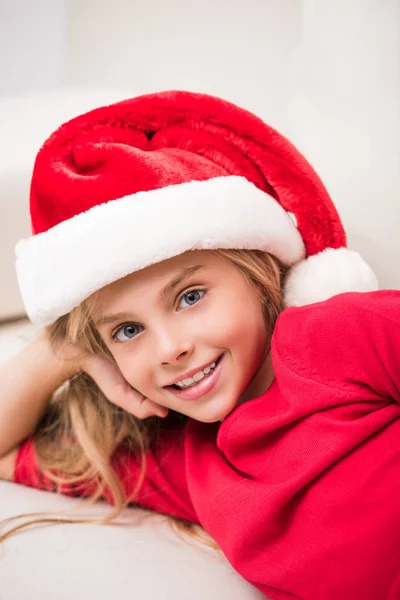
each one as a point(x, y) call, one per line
point(59, 268)
point(331, 272)
point(127, 185)
point(162, 139)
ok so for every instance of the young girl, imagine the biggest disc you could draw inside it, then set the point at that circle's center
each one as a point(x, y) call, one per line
point(169, 232)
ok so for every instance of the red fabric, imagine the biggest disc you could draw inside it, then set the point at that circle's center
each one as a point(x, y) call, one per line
point(164, 489)
point(301, 486)
point(161, 139)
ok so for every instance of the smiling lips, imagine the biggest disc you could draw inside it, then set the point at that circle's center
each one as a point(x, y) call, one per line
point(204, 384)
point(194, 376)
point(185, 383)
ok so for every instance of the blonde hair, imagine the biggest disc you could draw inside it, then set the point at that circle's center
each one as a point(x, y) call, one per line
point(80, 411)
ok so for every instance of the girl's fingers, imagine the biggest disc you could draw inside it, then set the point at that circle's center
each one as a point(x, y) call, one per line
point(117, 389)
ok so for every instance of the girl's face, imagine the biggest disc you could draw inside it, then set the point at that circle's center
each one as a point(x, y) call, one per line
point(188, 333)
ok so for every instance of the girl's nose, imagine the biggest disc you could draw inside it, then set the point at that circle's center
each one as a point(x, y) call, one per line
point(173, 346)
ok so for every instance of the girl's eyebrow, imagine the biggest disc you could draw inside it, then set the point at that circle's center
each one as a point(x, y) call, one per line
point(184, 274)
point(168, 288)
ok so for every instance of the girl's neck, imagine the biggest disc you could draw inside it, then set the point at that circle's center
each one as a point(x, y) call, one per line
point(261, 381)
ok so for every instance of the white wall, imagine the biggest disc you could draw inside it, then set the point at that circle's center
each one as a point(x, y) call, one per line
point(242, 50)
point(32, 45)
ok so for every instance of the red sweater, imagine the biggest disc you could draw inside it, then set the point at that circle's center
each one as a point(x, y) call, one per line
point(301, 486)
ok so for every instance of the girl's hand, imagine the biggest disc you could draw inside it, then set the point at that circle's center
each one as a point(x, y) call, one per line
point(109, 379)
point(115, 387)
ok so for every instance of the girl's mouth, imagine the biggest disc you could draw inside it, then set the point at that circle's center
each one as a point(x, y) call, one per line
point(202, 387)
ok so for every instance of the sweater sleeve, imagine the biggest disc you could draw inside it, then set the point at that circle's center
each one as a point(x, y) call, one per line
point(303, 491)
point(349, 343)
point(164, 488)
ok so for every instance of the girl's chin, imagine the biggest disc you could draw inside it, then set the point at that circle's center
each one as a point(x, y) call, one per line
point(214, 414)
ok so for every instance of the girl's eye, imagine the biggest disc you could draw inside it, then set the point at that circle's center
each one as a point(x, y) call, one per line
point(191, 297)
point(127, 332)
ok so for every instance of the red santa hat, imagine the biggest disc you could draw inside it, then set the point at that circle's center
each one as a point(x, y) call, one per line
point(128, 185)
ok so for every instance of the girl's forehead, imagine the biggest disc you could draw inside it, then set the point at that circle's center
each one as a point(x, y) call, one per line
point(159, 274)
point(156, 281)
point(172, 266)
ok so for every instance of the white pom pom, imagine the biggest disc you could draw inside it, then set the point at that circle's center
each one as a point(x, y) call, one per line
point(331, 272)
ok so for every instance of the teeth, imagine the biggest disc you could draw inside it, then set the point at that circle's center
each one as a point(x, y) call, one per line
point(190, 381)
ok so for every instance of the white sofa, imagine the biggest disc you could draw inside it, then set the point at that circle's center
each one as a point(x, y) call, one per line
point(81, 562)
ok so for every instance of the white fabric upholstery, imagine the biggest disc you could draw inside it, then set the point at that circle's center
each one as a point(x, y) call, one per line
point(143, 560)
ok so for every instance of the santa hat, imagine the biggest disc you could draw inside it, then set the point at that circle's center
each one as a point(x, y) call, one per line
point(128, 185)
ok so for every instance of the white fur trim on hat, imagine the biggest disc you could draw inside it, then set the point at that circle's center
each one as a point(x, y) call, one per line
point(323, 275)
point(63, 266)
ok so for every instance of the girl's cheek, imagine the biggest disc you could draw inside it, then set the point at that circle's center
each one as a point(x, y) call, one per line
point(224, 325)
